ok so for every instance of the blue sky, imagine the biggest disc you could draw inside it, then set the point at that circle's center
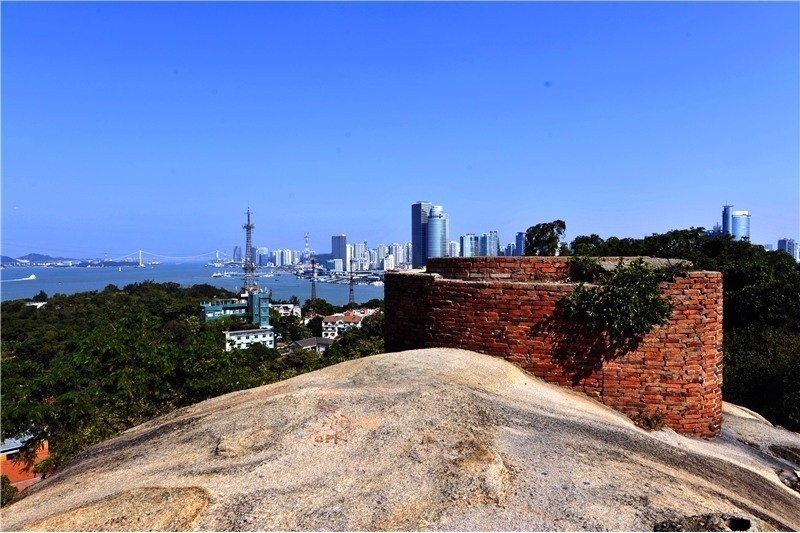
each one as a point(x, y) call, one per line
point(153, 125)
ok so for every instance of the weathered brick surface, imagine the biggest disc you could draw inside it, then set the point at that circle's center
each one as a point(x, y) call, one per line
point(509, 307)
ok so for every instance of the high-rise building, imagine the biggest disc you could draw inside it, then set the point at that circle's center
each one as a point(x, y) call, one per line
point(490, 244)
point(454, 250)
point(408, 253)
point(277, 258)
point(469, 245)
point(340, 250)
point(381, 250)
point(263, 256)
point(438, 237)
point(237, 253)
point(789, 246)
point(399, 252)
point(388, 262)
point(419, 233)
point(359, 250)
point(740, 226)
point(511, 249)
point(520, 248)
point(727, 219)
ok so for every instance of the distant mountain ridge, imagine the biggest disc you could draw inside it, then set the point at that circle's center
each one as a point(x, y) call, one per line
point(41, 258)
point(6, 260)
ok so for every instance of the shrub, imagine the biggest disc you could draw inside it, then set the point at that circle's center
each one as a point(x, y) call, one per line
point(626, 302)
point(8, 490)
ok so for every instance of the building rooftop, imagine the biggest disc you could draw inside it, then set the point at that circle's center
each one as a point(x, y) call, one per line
point(354, 315)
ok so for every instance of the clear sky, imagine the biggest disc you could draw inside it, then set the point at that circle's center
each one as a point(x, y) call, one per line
point(154, 125)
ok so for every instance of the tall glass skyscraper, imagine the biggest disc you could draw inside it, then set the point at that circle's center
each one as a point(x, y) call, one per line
point(339, 250)
point(788, 246)
point(419, 233)
point(740, 227)
point(469, 245)
point(727, 219)
point(438, 232)
point(490, 244)
point(520, 249)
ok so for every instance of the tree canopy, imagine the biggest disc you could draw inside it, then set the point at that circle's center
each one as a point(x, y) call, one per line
point(543, 238)
point(84, 367)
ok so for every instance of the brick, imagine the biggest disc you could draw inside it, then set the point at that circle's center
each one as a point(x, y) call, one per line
point(490, 305)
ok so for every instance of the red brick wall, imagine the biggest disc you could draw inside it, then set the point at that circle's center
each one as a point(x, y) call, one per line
point(674, 371)
point(15, 470)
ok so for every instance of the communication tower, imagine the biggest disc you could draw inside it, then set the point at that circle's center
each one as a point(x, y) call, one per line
point(352, 300)
point(313, 286)
point(249, 266)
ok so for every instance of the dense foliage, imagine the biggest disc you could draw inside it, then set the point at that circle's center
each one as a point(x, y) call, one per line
point(761, 312)
point(84, 367)
point(624, 302)
point(543, 238)
point(7, 490)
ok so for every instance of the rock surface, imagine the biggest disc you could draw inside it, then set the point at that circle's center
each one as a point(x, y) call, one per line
point(435, 439)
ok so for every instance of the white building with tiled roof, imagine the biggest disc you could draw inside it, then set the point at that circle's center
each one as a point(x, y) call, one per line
point(334, 325)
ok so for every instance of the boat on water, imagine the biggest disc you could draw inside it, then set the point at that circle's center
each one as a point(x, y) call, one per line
point(32, 276)
point(225, 274)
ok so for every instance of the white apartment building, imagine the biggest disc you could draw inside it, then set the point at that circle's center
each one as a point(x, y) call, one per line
point(243, 339)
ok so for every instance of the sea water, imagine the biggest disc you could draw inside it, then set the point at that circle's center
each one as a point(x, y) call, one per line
point(69, 280)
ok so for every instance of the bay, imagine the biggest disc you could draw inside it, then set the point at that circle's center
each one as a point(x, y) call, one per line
point(70, 280)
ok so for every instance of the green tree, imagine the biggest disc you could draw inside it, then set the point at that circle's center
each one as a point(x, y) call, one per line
point(323, 306)
point(315, 325)
point(375, 303)
point(359, 342)
point(7, 491)
point(543, 239)
point(41, 296)
point(291, 328)
point(586, 244)
point(761, 367)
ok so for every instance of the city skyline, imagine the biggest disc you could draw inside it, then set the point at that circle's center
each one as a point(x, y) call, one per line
point(133, 126)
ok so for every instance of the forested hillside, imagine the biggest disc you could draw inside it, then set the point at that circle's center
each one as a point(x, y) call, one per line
point(84, 367)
